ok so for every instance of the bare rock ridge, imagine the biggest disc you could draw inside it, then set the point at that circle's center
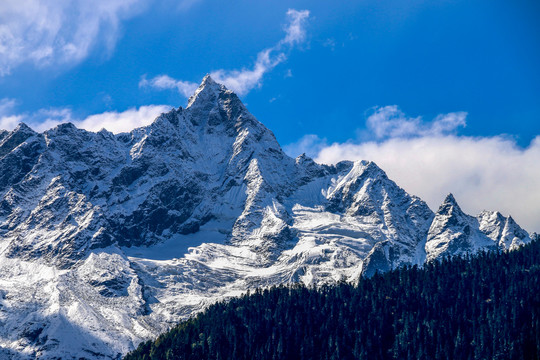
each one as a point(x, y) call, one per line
point(107, 240)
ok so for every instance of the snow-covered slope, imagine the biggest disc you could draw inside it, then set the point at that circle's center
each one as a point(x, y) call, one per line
point(453, 232)
point(108, 240)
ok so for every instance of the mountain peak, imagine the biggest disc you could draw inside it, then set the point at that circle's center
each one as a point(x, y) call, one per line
point(365, 168)
point(22, 127)
point(205, 191)
point(372, 167)
point(450, 199)
point(449, 206)
point(208, 81)
point(207, 91)
point(303, 158)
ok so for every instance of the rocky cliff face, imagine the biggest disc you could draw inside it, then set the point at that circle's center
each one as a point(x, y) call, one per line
point(107, 240)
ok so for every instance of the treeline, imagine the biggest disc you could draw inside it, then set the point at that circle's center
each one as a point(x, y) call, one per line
point(481, 307)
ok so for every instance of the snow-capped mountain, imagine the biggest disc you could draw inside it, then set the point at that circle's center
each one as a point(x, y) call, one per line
point(108, 240)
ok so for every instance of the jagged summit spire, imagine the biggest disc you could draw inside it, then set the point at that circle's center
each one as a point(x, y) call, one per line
point(207, 80)
point(215, 108)
point(450, 199)
point(449, 205)
point(207, 91)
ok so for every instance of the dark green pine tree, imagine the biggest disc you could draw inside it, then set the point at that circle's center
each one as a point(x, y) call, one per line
point(476, 307)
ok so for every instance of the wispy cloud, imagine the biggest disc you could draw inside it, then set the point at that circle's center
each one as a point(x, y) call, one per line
point(391, 122)
point(163, 82)
point(244, 80)
point(59, 32)
point(185, 5)
point(113, 121)
point(310, 144)
point(430, 159)
point(47, 33)
point(330, 43)
point(8, 120)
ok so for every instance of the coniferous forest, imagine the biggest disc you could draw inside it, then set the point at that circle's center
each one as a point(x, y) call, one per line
point(485, 306)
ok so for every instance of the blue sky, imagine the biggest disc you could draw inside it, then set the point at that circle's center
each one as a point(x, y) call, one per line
point(341, 80)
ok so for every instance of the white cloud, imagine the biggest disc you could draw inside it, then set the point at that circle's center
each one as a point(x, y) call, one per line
point(113, 121)
point(295, 30)
point(6, 106)
point(244, 80)
point(124, 121)
point(45, 119)
point(310, 145)
point(59, 32)
point(8, 120)
point(390, 121)
point(163, 82)
point(484, 173)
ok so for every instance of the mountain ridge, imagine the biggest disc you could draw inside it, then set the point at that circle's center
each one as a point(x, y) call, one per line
point(116, 237)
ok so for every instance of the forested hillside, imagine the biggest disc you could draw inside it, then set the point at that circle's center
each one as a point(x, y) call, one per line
point(481, 307)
